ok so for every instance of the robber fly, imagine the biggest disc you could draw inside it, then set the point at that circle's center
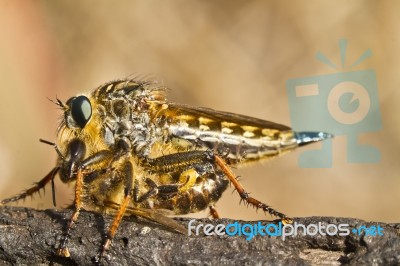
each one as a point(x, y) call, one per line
point(130, 151)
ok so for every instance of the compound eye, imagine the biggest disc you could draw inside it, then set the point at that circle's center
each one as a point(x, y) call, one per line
point(81, 110)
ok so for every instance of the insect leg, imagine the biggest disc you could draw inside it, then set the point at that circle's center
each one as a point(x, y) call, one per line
point(192, 183)
point(95, 158)
point(213, 212)
point(245, 195)
point(154, 190)
point(63, 250)
point(181, 160)
point(79, 168)
point(38, 186)
point(151, 192)
point(128, 175)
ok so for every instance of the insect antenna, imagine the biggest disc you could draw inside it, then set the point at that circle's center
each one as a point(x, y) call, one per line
point(57, 102)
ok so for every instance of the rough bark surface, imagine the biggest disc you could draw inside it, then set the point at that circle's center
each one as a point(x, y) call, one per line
point(29, 237)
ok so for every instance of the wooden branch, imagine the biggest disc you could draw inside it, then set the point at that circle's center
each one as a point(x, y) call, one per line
point(29, 237)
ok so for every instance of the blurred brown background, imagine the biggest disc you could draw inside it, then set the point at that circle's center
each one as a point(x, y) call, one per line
point(228, 55)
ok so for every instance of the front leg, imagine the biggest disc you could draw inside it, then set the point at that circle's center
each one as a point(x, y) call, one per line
point(36, 188)
point(63, 250)
point(77, 171)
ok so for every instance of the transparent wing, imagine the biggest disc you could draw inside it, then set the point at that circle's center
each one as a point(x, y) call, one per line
point(153, 215)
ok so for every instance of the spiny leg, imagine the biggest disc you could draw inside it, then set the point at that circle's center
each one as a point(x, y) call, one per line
point(179, 161)
point(77, 171)
point(38, 186)
point(63, 250)
point(128, 175)
point(189, 165)
point(192, 167)
point(244, 195)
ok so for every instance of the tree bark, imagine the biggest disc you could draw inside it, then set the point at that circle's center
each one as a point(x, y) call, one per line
point(30, 237)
